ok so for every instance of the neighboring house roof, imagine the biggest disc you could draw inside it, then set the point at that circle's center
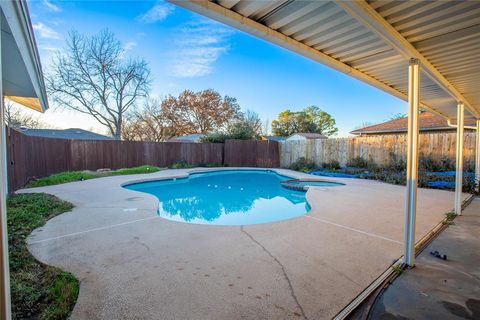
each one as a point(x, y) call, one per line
point(71, 134)
point(428, 122)
point(196, 137)
point(309, 135)
point(275, 138)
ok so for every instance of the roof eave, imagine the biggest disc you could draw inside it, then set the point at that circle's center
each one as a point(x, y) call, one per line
point(17, 16)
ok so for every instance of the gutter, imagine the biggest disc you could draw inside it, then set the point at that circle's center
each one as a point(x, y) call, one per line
point(422, 130)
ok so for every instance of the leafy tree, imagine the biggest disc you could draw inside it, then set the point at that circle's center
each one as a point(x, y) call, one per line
point(309, 120)
point(200, 112)
point(94, 77)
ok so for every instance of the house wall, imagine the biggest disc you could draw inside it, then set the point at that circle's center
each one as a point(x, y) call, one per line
point(380, 149)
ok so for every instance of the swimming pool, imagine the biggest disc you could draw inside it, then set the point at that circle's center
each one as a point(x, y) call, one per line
point(227, 197)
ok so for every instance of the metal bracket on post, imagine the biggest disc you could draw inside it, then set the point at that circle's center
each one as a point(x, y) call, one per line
point(459, 158)
point(412, 160)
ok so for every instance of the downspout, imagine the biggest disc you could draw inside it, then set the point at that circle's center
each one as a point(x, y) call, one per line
point(450, 124)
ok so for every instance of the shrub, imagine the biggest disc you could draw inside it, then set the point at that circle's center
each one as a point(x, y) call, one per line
point(210, 165)
point(358, 162)
point(396, 165)
point(429, 164)
point(180, 165)
point(470, 185)
point(332, 165)
point(215, 137)
point(303, 165)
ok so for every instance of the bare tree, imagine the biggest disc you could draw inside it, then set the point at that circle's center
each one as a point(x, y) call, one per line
point(16, 118)
point(200, 112)
point(149, 124)
point(94, 77)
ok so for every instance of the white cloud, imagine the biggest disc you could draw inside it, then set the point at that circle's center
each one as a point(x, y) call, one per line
point(199, 46)
point(49, 48)
point(46, 32)
point(51, 6)
point(157, 13)
point(130, 45)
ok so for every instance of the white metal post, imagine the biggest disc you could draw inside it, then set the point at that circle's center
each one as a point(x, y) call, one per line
point(477, 156)
point(412, 160)
point(5, 308)
point(459, 159)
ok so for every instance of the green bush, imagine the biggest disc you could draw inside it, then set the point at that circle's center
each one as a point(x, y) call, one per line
point(302, 165)
point(210, 165)
point(180, 165)
point(215, 137)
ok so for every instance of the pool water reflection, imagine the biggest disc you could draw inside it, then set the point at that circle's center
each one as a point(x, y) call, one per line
point(230, 197)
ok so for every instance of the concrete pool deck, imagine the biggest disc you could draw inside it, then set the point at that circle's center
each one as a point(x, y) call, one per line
point(134, 265)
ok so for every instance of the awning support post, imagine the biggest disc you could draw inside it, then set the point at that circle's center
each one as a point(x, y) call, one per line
point(459, 159)
point(5, 306)
point(477, 156)
point(412, 160)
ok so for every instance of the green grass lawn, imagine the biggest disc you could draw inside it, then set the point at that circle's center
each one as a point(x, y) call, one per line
point(38, 291)
point(72, 176)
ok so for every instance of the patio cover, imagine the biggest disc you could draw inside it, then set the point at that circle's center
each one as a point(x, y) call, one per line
point(373, 41)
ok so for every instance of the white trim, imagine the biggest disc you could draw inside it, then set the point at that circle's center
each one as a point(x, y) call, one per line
point(459, 159)
point(412, 160)
point(5, 304)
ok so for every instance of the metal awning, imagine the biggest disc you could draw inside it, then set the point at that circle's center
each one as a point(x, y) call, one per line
point(373, 41)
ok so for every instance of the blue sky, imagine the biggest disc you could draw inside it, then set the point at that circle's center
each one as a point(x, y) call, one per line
point(188, 51)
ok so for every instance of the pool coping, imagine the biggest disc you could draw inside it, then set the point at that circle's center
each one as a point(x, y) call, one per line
point(290, 174)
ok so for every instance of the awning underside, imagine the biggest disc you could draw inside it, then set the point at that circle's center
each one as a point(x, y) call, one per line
point(447, 34)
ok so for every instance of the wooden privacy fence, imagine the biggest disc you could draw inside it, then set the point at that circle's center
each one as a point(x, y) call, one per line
point(380, 149)
point(35, 157)
point(251, 153)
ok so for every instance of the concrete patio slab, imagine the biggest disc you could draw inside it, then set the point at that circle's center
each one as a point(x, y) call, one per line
point(134, 265)
point(438, 289)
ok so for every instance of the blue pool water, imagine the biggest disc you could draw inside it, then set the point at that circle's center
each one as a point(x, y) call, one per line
point(226, 198)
